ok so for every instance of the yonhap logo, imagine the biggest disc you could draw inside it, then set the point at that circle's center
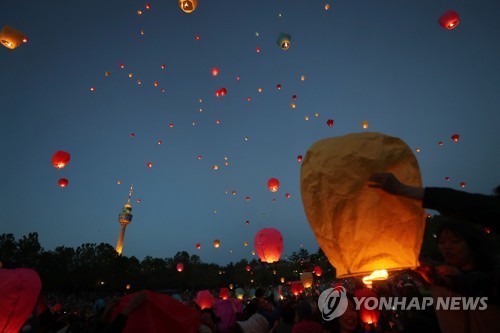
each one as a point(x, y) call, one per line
point(332, 302)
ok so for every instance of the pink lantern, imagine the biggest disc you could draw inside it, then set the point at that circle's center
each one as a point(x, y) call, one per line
point(268, 244)
point(204, 299)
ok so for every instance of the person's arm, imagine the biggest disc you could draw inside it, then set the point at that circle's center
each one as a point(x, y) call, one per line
point(390, 184)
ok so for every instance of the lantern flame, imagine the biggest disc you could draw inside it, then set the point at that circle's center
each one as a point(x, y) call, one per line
point(376, 275)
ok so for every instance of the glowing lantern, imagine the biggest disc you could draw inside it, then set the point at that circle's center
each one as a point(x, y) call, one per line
point(63, 182)
point(12, 38)
point(327, 6)
point(299, 158)
point(287, 195)
point(273, 184)
point(377, 275)
point(245, 243)
point(364, 124)
point(224, 293)
point(231, 286)
point(149, 165)
point(284, 41)
point(296, 288)
point(462, 184)
point(180, 267)
point(248, 268)
point(247, 222)
point(257, 49)
point(447, 178)
point(215, 71)
point(346, 215)
point(217, 93)
point(269, 244)
point(307, 279)
point(329, 122)
point(318, 271)
point(282, 280)
point(60, 159)
point(204, 299)
point(188, 6)
point(216, 243)
point(223, 91)
point(455, 137)
point(449, 20)
point(198, 246)
point(367, 316)
point(239, 293)
point(278, 86)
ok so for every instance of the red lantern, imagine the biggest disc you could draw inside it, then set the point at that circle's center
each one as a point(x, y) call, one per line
point(294, 97)
point(217, 93)
point(180, 267)
point(318, 271)
point(299, 158)
point(215, 71)
point(198, 246)
point(455, 137)
point(367, 316)
point(224, 293)
point(273, 184)
point(287, 195)
point(223, 91)
point(149, 165)
point(268, 244)
point(63, 182)
point(204, 299)
point(60, 159)
point(462, 184)
point(329, 122)
point(248, 268)
point(449, 20)
point(278, 86)
point(296, 288)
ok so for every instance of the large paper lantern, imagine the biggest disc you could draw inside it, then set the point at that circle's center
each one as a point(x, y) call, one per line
point(307, 279)
point(60, 159)
point(273, 184)
point(188, 6)
point(204, 299)
point(449, 20)
point(268, 244)
point(362, 229)
point(19, 291)
point(367, 312)
point(12, 38)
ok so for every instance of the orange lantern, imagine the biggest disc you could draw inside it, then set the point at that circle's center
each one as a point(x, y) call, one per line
point(248, 268)
point(188, 6)
point(307, 279)
point(180, 267)
point(12, 38)
point(216, 243)
point(449, 20)
point(269, 244)
point(215, 71)
point(282, 280)
point(273, 184)
point(318, 271)
point(60, 159)
point(367, 316)
point(224, 293)
point(204, 299)
point(63, 182)
point(346, 215)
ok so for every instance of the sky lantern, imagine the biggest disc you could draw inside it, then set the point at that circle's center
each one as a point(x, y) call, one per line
point(307, 279)
point(273, 184)
point(282, 279)
point(216, 243)
point(296, 288)
point(347, 215)
point(215, 71)
point(180, 267)
point(198, 246)
point(287, 195)
point(217, 93)
point(329, 122)
point(12, 38)
point(366, 313)
point(239, 293)
point(278, 86)
point(364, 124)
point(299, 158)
point(248, 268)
point(188, 6)
point(318, 271)
point(224, 293)
point(149, 165)
point(449, 20)
point(60, 159)
point(284, 41)
point(269, 244)
point(204, 299)
point(455, 137)
point(63, 182)
point(462, 184)
point(223, 91)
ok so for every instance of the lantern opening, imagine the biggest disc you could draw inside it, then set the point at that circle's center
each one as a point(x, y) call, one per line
point(375, 276)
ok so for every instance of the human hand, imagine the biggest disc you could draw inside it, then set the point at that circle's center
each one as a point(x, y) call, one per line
point(386, 181)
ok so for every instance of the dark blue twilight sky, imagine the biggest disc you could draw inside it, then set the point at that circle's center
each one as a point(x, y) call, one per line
point(385, 61)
